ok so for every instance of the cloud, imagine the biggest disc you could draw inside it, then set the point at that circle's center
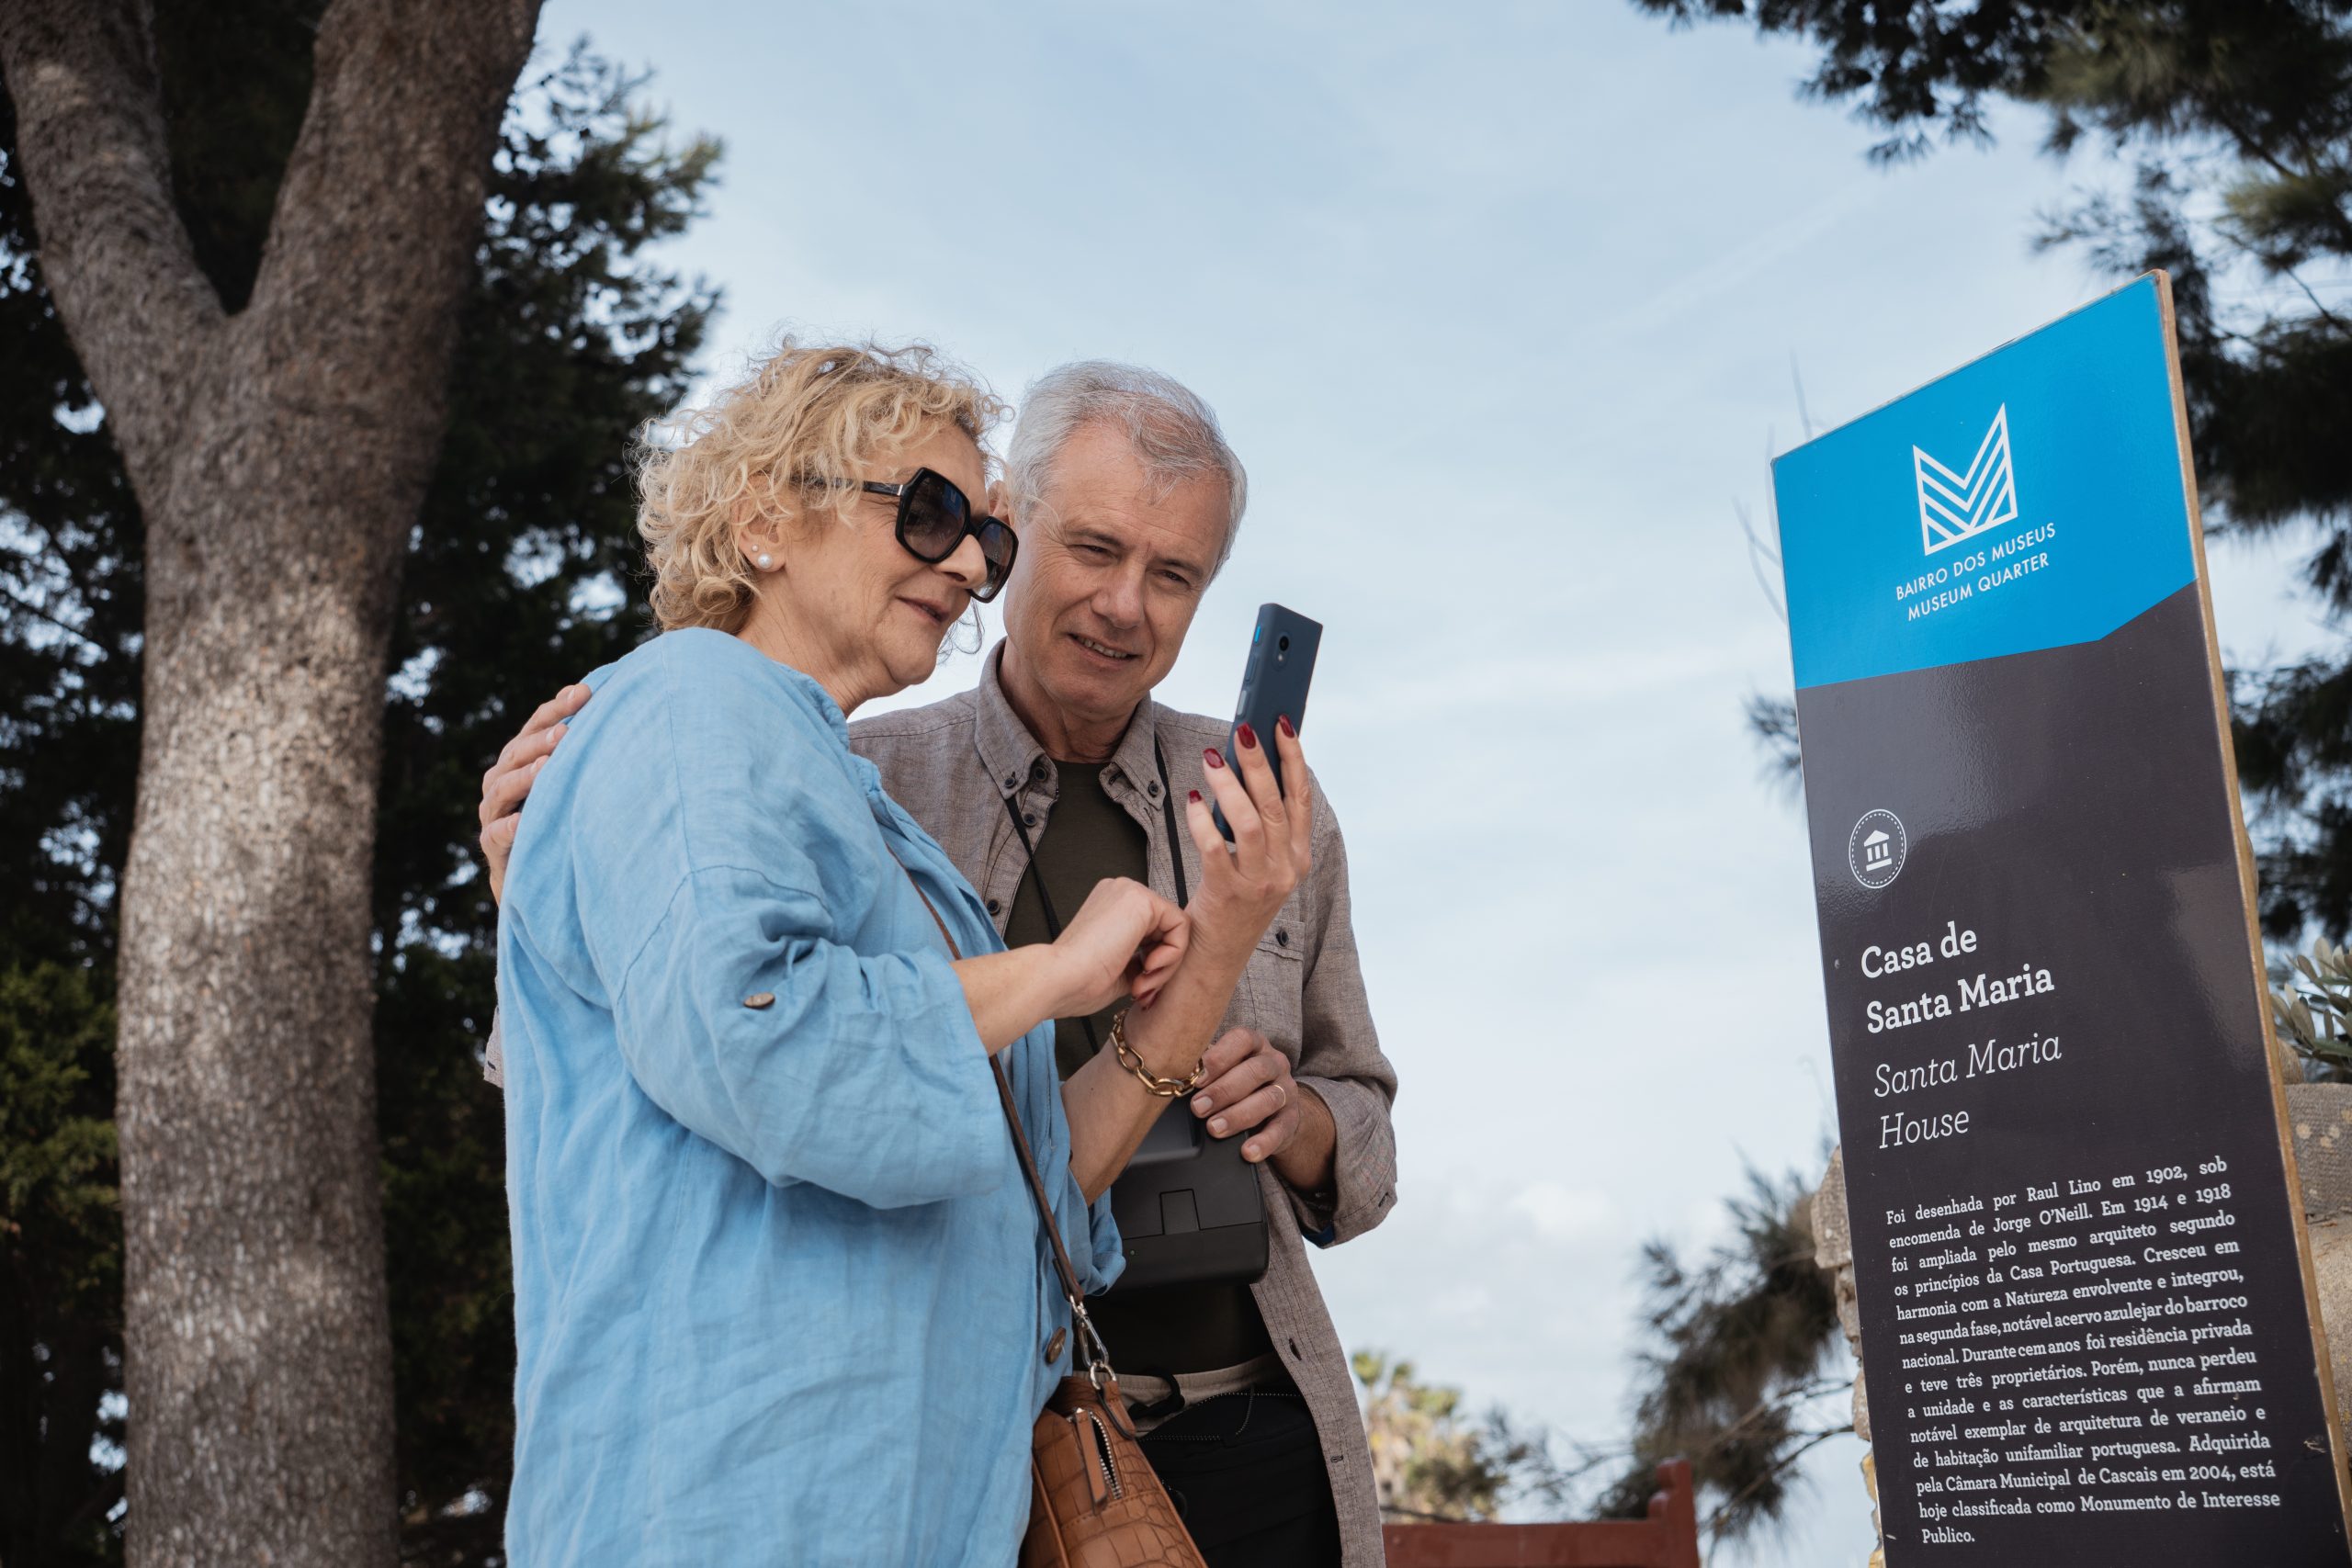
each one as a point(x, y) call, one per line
point(1565, 1213)
point(1728, 273)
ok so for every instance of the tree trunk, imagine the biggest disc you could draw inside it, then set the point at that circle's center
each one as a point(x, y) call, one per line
point(280, 456)
point(259, 1355)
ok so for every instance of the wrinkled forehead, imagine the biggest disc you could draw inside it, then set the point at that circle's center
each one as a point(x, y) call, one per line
point(1099, 486)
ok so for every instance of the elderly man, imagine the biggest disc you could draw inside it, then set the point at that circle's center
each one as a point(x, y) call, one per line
point(1055, 773)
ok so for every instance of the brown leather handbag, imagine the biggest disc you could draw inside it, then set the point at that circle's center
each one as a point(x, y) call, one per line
point(1093, 1500)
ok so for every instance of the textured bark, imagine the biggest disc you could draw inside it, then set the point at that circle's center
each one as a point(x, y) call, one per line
point(279, 455)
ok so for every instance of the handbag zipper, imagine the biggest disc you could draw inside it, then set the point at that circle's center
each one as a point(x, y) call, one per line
point(1103, 1452)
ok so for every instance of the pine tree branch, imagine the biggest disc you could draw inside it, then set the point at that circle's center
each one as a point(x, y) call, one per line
point(29, 608)
point(1714, 1520)
point(47, 545)
point(1785, 1400)
point(2330, 316)
point(2256, 147)
point(90, 135)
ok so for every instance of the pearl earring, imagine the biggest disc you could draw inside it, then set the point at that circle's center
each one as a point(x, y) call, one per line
point(766, 560)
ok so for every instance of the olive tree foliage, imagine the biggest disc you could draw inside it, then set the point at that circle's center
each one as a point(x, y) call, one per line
point(2311, 1002)
point(311, 461)
point(2220, 136)
point(1433, 1462)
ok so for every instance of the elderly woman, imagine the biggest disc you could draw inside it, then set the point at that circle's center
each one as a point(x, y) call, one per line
point(778, 1287)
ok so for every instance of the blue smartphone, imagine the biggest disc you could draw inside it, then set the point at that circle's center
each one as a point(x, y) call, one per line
point(1273, 683)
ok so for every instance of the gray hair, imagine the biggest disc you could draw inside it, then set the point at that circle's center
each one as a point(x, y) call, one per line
point(1171, 432)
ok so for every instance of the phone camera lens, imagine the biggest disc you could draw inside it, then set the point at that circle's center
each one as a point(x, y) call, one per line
point(1282, 645)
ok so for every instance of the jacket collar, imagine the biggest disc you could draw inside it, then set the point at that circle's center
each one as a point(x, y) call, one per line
point(1014, 756)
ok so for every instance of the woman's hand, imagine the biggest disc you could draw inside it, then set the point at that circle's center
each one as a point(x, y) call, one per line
point(511, 777)
point(1242, 888)
point(1126, 941)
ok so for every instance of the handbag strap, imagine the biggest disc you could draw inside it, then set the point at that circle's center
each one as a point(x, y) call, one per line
point(1098, 1360)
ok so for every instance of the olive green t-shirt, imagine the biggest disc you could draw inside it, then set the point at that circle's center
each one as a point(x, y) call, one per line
point(1178, 1328)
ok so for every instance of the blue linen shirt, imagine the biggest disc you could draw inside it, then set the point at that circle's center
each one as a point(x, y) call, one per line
point(779, 1293)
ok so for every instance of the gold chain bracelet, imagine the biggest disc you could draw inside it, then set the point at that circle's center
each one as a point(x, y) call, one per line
point(1166, 1088)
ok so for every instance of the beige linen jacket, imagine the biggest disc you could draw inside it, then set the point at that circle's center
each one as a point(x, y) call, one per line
point(953, 765)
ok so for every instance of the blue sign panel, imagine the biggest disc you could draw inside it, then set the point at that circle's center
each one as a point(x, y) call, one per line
point(2032, 499)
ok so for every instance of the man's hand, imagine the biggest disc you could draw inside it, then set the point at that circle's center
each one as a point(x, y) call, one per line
point(510, 779)
point(1249, 1089)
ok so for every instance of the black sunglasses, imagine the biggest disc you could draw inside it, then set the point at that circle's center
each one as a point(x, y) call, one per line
point(934, 517)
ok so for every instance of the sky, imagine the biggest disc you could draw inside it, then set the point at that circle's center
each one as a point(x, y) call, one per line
point(1506, 309)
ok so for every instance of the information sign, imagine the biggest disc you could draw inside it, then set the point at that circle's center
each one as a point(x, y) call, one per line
point(2085, 1286)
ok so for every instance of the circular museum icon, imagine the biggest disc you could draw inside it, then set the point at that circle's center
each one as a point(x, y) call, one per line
point(1876, 849)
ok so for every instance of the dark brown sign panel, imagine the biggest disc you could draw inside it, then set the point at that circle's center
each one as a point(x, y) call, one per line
point(2088, 1327)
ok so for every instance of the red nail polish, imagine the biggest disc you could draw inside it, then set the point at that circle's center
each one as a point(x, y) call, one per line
point(1196, 798)
point(1247, 736)
point(1212, 759)
point(1283, 724)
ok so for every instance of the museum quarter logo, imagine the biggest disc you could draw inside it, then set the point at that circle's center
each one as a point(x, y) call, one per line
point(1876, 849)
point(1957, 507)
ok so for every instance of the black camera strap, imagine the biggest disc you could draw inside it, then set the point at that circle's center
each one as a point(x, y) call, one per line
point(1046, 899)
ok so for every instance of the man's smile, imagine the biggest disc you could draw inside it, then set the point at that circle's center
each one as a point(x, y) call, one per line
point(1101, 650)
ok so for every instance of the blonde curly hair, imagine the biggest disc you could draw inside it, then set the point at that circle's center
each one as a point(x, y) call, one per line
point(807, 412)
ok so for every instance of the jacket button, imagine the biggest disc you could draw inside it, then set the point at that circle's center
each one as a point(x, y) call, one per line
point(1038, 772)
point(992, 907)
point(1152, 789)
point(758, 999)
point(1281, 939)
point(1028, 819)
point(1054, 1345)
point(1010, 780)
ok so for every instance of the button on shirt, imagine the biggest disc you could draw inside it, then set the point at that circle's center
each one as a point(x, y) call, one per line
point(779, 1293)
